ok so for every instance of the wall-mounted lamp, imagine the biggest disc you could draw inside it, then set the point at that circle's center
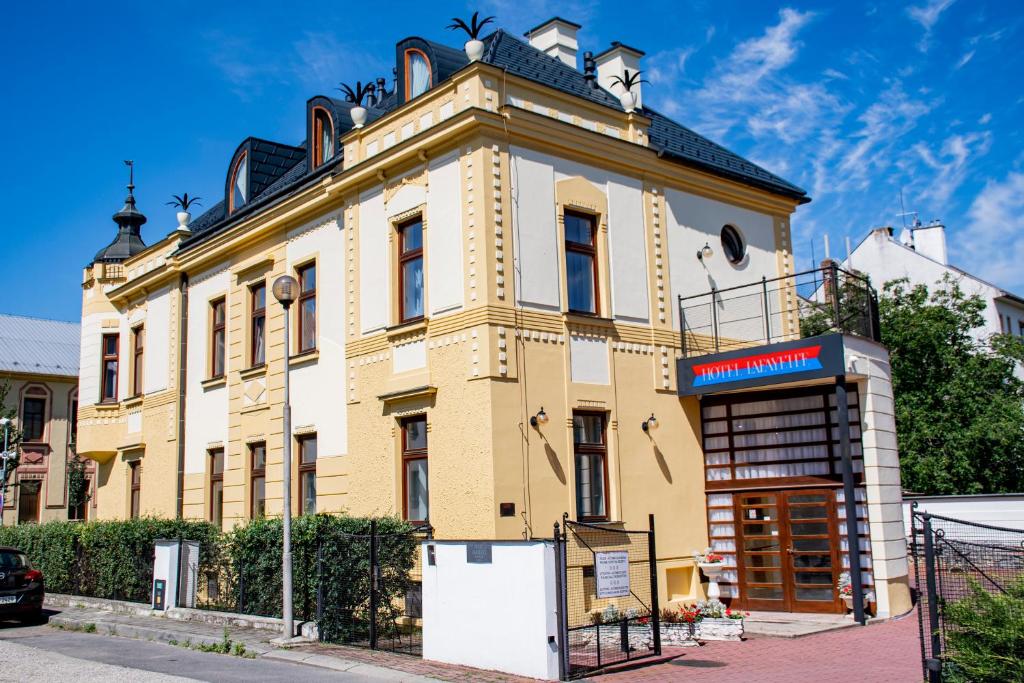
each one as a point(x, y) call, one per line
point(650, 424)
point(539, 419)
point(705, 253)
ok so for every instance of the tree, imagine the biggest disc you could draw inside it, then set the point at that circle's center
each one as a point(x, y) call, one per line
point(13, 442)
point(959, 406)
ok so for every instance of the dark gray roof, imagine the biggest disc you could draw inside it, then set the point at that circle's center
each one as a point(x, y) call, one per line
point(281, 170)
point(37, 346)
point(128, 240)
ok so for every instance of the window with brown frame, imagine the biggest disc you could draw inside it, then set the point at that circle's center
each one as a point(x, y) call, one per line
point(307, 474)
point(323, 137)
point(239, 192)
point(138, 349)
point(581, 262)
point(258, 324)
point(410, 270)
point(218, 337)
point(217, 486)
point(417, 74)
point(33, 415)
point(108, 387)
point(307, 307)
point(73, 435)
point(28, 500)
point(136, 488)
point(591, 455)
point(258, 480)
point(415, 490)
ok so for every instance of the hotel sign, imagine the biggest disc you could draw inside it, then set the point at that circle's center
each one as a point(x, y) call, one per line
point(757, 366)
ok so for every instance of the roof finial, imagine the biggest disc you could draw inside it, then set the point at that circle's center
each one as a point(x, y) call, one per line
point(131, 174)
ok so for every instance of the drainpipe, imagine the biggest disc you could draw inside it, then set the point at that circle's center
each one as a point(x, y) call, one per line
point(182, 368)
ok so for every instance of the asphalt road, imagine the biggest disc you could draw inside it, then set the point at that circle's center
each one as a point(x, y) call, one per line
point(42, 653)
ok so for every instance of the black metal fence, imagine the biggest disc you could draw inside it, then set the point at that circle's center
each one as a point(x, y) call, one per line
point(608, 594)
point(970, 583)
point(361, 589)
point(814, 302)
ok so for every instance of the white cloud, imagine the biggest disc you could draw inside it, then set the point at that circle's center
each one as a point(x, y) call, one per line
point(522, 15)
point(927, 16)
point(985, 119)
point(993, 241)
point(835, 74)
point(962, 62)
point(949, 164)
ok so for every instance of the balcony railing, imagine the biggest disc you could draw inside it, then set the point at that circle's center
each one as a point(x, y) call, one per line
point(807, 304)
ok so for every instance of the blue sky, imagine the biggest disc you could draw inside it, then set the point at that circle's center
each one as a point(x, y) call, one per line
point(853, 101)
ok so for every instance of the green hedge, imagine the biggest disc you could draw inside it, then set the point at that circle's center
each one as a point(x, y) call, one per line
point(239, 570)
point(105, 559)
point(985, 635)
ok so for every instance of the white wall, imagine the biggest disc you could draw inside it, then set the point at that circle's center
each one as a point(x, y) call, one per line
point(318, 389)
point(996, 510)
point(156, 373)
point(90, 358)
point(374, 279)
point(495, 616)
point(534, 176)
point(206, 410)
point(444, 236)
point(691, 222)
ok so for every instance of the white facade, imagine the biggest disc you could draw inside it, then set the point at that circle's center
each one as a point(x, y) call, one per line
point(920, 255)
point(206, 407)
point(994, 509)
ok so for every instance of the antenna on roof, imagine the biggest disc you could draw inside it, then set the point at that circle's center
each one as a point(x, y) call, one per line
point(131, 174)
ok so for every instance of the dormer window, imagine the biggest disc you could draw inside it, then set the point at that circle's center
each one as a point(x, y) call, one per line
point(417, 74)
point(323, 137)
point(240, 182)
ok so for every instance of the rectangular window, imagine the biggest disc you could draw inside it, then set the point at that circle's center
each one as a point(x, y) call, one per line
point(136, 490)
point(218, 332)
point(108, 389)
point(33, 418)
point(581, 262)
point(307, 308)
point(28, 501)
point(74, 422)
point(410, 270)
point(258, 480)
point(1020, 328)
point(307, 475)
point(591, 455)
point(138, 346)
point(217, 486)
point(415, 506)
point(258, 322)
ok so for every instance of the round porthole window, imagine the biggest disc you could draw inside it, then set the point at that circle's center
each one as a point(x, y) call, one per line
point(732, 244)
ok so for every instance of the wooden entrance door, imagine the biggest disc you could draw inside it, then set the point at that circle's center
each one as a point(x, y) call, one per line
point(788, 552)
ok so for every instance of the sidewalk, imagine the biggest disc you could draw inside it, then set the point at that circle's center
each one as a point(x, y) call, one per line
point(145, 625)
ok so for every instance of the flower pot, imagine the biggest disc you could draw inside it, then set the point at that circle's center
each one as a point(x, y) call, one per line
point(720, 629)
point(184, 218)
point(848, 601)
point(474, 49)
point(358, 114)
point(628, 101)
point(712, 570)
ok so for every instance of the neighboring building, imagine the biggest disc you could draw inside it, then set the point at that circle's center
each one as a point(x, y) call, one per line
point(501, 241)
point(920, 255)
point(39, 360)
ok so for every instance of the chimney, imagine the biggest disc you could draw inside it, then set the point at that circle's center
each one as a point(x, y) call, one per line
point(613, 62)
point(930, 241)
point(556, 37)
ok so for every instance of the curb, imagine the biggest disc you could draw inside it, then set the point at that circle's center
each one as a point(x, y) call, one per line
point(347, 665)
point(117, 628)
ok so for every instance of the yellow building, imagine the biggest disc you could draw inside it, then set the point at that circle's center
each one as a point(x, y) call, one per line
point(483, 243)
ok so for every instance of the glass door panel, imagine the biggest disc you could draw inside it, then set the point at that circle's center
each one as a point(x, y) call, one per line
point(763, 571)
point(812, 551)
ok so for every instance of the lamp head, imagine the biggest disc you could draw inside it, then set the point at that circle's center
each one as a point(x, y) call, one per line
point(541, 418)
point(705, 252)
point(650, 424)
point(286, 290)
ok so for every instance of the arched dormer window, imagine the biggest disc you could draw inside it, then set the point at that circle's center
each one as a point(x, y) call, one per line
point(417, 73)
point(240, 183)
point(323, 137)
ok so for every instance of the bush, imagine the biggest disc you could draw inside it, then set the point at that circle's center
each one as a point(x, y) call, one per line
point(985, 635)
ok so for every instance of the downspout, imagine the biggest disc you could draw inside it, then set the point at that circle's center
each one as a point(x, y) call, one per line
point(182, 368)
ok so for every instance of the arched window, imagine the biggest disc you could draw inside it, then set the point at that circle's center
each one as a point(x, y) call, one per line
point(732, 244)
point(323, 137)
point(240, 183)
point(417, 74)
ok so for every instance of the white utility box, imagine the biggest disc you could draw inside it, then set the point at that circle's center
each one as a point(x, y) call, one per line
point(175, 573)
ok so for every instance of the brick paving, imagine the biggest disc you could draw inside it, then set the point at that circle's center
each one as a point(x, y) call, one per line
point(887, 652)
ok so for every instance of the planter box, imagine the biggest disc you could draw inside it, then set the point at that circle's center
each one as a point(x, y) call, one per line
point(679, 635)
point(720, 629)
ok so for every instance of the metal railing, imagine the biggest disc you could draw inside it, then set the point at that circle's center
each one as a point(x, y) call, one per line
point(806, 304)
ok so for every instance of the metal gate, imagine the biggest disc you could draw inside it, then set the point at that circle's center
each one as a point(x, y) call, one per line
point(970, 583)
point(608, 596)
point(369, 587)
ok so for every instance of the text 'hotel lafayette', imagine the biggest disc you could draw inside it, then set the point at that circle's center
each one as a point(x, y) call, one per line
point(494, 271)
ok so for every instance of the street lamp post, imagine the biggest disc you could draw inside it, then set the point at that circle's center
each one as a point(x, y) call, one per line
point(5, 422)
point(285, 291)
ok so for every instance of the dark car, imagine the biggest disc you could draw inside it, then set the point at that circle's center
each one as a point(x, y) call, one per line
point(21, 587)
